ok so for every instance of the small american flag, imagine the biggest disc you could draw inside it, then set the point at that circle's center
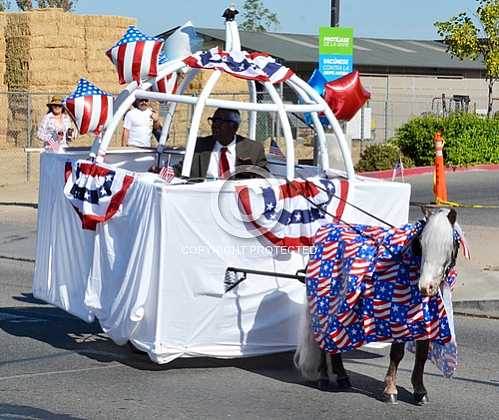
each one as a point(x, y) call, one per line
point(90, 107)
point(167, 173)
point(275, 151)
point(459, 236)
point(398, 170)
point(54, 145)
point(135, 56)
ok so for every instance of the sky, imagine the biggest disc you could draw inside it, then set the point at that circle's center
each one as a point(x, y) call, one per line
point(396, 19)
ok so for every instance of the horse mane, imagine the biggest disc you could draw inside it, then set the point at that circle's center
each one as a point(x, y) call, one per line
point(437, 237)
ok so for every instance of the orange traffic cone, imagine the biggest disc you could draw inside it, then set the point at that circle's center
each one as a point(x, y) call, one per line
point(439, 185)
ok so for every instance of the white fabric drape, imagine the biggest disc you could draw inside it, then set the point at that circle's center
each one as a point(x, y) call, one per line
point(154, 274)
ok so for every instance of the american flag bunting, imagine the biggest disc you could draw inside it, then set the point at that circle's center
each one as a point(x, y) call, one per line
point(250, 66)
point(283, 213)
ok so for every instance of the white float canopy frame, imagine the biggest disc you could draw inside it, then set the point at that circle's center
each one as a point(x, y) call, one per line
point(313, 103)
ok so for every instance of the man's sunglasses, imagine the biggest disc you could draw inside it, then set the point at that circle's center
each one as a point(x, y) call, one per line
point(215, 120)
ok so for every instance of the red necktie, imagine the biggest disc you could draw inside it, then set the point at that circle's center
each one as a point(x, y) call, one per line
point(223, 167)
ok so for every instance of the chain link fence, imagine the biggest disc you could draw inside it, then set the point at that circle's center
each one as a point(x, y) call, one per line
point(23, 112)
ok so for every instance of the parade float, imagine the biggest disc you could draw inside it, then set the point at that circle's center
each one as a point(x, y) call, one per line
point(149, 259)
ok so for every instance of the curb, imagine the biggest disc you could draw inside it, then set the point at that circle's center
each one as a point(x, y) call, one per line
point(481, 308)
point(422, 170)
point(18, 204)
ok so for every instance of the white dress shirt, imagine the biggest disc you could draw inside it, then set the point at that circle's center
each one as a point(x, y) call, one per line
point(215, 158)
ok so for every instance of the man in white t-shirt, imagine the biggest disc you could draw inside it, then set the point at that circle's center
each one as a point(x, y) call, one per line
point(139, 124)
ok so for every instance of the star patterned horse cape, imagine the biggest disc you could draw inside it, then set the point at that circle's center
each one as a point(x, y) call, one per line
point(362, 287)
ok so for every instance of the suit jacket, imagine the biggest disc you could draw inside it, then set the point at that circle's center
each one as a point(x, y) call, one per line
point(248, 152)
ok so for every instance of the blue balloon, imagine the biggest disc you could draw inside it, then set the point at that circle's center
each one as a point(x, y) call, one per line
point(317, 81)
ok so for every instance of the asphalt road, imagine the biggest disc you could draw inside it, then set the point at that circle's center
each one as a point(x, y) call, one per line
point(54, 366)
point(480, 187)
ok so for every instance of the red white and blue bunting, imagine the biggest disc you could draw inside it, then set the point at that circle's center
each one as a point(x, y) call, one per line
point(250, 66)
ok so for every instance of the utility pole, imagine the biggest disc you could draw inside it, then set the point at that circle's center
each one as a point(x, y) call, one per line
point(335, 12)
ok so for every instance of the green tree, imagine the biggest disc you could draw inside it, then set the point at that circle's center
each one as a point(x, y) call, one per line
point(24, 4)
point(4, 5)
point(475, 38)
point(67, 5)
point(257, 18)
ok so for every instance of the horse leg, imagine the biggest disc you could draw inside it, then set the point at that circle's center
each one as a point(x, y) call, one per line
point(420, 393)
point(323, 381)
point(342, 378)
point(396, 354)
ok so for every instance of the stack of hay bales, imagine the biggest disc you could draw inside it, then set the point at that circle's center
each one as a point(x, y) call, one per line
point(101, 33)
point(43, 50)
point(47, 52)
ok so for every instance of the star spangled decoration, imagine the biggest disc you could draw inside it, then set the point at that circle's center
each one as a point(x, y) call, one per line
point(357, 293)
point(135, 56)
point(90, 107)
point(286, 212)
point(242, 64)
point(167, 84)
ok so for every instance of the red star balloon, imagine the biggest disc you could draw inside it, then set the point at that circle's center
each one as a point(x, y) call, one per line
point(345, 96)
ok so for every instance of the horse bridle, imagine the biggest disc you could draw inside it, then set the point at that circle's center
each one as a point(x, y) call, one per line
point(417, 250)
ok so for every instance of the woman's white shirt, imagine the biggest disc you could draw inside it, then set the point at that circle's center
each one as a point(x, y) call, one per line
point(49, 127)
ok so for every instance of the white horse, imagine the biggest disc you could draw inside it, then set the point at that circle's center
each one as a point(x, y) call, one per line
point(437, 249)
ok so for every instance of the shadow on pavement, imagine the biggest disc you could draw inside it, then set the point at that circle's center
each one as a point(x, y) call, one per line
point(61, 330)
point(29, 298)
point(11, 411)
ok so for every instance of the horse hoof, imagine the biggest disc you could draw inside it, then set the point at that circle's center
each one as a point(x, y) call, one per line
point(390, 399)
point(421, 398)
point(323, 384)
point(344, 383)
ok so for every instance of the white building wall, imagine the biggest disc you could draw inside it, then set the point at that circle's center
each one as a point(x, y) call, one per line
point(397, 98)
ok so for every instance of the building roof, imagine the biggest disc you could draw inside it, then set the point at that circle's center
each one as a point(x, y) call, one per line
point(368, 52)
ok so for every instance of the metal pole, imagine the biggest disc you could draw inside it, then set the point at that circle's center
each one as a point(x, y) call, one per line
point(28, 139)
point(386, 105)
point(362, 122)
point(335, 12)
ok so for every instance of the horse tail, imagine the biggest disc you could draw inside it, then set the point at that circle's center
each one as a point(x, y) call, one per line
point(307, 358)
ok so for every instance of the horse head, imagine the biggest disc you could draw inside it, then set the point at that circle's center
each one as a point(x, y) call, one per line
point(438, 248)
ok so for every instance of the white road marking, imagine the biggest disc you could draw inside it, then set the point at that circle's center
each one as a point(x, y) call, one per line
point(58, 372)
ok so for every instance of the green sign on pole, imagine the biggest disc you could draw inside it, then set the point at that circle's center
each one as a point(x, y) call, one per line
point(335, 52)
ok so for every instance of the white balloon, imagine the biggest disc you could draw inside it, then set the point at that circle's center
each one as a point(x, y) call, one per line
point(184, 41)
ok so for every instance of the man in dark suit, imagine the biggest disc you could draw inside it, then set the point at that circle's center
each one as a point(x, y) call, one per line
point(218, 155)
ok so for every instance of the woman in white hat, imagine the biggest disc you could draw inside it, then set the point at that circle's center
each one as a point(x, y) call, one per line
point(55, 127)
